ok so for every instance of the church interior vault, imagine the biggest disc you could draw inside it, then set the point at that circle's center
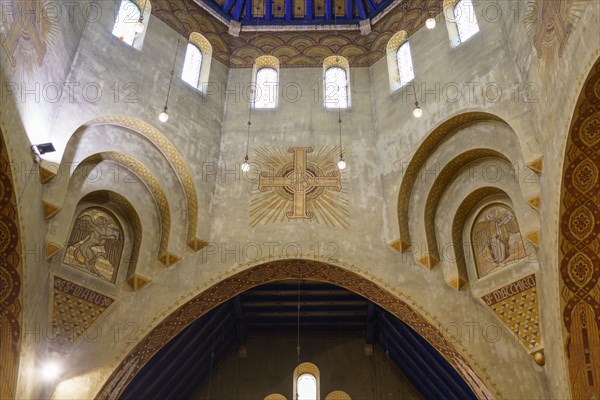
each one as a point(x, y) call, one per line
point(299, 199)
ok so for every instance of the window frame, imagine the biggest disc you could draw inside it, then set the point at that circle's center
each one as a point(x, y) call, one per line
point(405, 44)
point(198, 73)
point(334, 102)
point(143, 11)
point(459, 5)
point(272, 86)
point(314, 378)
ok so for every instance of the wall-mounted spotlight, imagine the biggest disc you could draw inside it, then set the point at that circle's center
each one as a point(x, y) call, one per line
point(39, 149)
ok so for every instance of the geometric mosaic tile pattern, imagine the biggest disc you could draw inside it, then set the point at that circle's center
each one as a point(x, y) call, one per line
point(580, 242)
point(74, 309)
point(516, 306)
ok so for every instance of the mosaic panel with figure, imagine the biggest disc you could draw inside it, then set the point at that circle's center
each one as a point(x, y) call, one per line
point(496, 239)
point(95, 244)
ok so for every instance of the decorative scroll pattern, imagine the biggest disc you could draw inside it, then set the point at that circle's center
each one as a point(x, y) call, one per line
point(272, 272)
point(580, 242)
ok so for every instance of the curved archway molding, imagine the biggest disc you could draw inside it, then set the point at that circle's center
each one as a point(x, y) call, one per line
point(284, 270)
point(164, 146)
point(418, 162)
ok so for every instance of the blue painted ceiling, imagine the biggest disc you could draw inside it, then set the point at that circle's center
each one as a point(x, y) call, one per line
point(184, 363)
point(297, 12)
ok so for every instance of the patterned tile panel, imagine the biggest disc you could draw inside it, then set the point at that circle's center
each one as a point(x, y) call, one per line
point(74, 309)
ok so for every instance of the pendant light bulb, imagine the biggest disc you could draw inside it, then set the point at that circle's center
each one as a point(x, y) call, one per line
point(139, 26)
point(430, 23)
point(417, 112)
point(341, 164)
point(246, 165)
point(163, 116)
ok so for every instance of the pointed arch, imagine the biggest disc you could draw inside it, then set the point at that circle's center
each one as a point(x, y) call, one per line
point(277, 271)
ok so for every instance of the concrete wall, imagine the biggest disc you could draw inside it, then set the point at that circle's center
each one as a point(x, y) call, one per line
point(269, 368)
point(379, 135)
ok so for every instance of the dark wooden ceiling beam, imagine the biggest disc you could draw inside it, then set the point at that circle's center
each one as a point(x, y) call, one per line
point(240, 321)
point(305, 303)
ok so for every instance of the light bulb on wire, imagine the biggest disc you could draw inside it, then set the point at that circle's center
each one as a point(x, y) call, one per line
point(430, 23)
point(341, 164)
point(163, 116)
point(246, 165)
point(139, 26)
point(417, 112)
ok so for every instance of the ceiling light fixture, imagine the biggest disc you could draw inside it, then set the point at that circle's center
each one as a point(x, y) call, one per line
point(246, 164)
point(417, 112)
point(139, 26)
point(341, 164)
point(430, 23)
point(51, 370)
point(164, 116)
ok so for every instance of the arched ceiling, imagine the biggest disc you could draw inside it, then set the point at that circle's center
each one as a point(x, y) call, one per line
point(184, 363)
point(296, 42)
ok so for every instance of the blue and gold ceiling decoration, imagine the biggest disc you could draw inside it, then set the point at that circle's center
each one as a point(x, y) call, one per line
point(297, 12)
point(302, 45)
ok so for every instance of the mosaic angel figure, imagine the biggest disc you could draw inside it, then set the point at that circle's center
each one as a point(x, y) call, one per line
point(95, 244)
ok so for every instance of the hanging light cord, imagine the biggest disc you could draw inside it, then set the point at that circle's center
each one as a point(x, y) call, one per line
point(172, 72)
point(340, 129)
point(298, 317)
point(249, 123)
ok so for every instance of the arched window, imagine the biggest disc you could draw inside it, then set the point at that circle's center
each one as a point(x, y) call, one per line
point(336, 88)
point(400, 66)
point(127, 18)
point(306, 382)
point(266, 88)
point(466, 21)
point(192, 65)
point(405, 65)
point(307, 387)
point(198, 57)
point(266, 82)
point(460, 20)
point(336, 82)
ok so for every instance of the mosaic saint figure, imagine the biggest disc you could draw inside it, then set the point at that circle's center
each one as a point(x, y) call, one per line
point(496, 239)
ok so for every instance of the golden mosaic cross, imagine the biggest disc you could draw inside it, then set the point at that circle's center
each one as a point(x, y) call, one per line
point(299, 181)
